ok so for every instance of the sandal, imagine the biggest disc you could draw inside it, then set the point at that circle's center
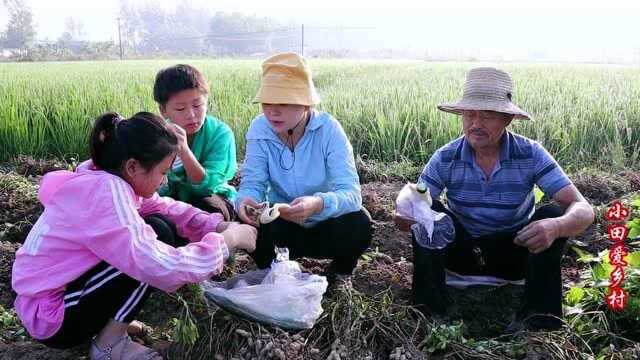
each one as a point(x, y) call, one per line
point(144, 331)
point(96, 353)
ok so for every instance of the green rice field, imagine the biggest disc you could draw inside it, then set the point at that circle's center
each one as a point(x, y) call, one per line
point(586, 115)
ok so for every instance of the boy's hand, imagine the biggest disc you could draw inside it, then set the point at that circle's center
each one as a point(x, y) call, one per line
point(181, 135)
point(220, 204)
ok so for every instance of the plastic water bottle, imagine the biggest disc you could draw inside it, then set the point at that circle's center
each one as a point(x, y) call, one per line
point(424, 192)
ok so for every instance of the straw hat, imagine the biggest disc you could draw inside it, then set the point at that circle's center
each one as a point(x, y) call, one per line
point(487, 89)
point(286, 79)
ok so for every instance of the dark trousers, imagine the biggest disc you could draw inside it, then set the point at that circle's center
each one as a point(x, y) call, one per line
point(342, 239)
point(166, 230)
point(206, 204)
point(501, 258)
point(100, 294)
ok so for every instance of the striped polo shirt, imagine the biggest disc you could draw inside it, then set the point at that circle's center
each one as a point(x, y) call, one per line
point(503, 202)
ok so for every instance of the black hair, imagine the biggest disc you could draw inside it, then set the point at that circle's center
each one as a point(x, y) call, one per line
point(144, 137)
point(175, 79)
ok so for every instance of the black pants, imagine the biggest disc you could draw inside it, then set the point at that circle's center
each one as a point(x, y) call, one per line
point(500, 257)
point(342, 239)
point(166, 230)
point(100, 294)
point(209, 206)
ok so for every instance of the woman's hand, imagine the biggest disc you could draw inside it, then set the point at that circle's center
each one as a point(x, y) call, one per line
point(302, 208)
point(243, 211)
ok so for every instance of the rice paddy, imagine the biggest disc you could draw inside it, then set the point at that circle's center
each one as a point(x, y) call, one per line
point(586, 115)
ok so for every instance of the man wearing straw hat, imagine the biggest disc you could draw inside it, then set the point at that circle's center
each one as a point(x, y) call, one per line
point(489, 175)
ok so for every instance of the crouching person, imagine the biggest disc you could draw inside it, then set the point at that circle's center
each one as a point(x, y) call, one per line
point(299, 156)
point(489, 175)
point(91, 260)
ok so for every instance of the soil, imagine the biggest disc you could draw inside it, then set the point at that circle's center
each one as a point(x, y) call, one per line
point(387, 264)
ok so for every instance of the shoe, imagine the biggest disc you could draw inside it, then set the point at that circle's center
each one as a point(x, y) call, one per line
point(533, 323)
point(515, 327)
point(337, 281)
point(343, 282)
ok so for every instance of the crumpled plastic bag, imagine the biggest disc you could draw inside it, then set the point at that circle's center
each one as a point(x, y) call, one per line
point(416, 206)
point(282, 295)
point(432, 230)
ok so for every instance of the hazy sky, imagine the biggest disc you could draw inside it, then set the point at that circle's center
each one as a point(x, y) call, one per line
point(570, 30)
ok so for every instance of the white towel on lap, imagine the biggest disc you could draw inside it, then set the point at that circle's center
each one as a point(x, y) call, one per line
point(462, 281)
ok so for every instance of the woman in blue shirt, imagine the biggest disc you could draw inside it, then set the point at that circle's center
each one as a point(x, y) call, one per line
point(299, 156)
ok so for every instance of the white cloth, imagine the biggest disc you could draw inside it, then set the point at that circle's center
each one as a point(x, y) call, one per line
point(462, 281)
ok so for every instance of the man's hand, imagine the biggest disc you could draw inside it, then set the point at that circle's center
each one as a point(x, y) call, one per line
point(403, 224)
point(539, 235)
point(302, 208)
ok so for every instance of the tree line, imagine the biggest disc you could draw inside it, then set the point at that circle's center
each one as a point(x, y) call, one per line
point(149, 30)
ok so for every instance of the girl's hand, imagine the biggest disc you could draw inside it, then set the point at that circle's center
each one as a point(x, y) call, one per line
point(222, 226)
point(240, 236)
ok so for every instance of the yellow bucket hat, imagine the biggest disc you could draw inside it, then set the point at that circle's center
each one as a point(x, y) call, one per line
point(286, 79)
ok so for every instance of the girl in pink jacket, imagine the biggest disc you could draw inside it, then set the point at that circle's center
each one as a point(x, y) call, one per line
point(90, 260)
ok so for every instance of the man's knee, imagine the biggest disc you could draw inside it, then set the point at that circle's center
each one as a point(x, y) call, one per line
point(552, 255)
point(547, 212)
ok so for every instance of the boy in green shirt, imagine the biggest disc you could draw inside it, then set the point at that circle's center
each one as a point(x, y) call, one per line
point(206, 158)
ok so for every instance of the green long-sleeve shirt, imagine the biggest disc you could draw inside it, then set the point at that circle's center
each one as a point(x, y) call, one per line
point(215, 149)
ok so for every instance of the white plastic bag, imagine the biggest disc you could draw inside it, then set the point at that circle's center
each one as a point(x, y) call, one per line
point(416, 206)
point(283, 295)
point(432, 230)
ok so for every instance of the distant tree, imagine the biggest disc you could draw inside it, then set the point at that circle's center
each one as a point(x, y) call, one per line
point(20, 31)
point(73, 30)
point(239, 34)
point(129, 26)
point(151, 29)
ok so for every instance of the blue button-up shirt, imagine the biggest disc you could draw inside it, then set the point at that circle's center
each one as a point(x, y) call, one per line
point(323, 166)
point(505, 200)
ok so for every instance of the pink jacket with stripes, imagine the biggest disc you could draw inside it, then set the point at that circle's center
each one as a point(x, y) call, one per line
point(91, 216)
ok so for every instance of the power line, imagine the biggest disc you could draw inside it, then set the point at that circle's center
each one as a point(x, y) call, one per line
point(264, 35)
point(212, 36)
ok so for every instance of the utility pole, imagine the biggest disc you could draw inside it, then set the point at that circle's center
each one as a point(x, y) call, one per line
point(120, 40)
point(302, 45)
